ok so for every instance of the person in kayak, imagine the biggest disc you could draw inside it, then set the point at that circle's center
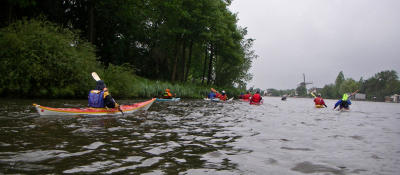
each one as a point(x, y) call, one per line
point(101, 97)
point(319, 101)
point(167, 94)
point(247, 96)
point(343, 103)
point(211, 95)
point(284, 97)
point(222, 96)
point(256, 98)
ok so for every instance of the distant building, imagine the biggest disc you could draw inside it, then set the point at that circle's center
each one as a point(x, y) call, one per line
point(395, 98)
point(359, 96)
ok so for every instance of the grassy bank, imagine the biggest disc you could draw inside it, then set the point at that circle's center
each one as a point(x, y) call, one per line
point(124, 84)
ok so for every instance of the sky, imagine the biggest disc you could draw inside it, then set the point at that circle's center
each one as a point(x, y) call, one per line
point(319, 38)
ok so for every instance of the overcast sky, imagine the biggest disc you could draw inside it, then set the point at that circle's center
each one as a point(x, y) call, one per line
point(320, 38)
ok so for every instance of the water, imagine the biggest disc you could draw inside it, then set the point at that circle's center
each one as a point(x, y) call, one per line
point(199, 137)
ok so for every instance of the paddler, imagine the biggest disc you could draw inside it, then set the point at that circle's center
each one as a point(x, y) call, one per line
point(345, 102)
point(256, 98)
point(211, 95)
point(101, 97)
point(247, 96)
point(167, 94)
point(284, 97)
point(222, 96)
point(319, 101)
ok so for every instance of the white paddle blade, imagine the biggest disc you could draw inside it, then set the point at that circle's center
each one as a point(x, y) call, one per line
point(95, 76)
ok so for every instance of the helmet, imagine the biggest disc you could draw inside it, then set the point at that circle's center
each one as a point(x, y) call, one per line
point(223, 91)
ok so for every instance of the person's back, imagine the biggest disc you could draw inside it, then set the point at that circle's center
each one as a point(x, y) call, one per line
point(96, 99)
point(319, 101)
point(100, 97)
point(211, 95)
point(256, 98)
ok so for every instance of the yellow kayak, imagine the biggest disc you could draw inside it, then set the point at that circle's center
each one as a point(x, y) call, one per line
point(319, 106)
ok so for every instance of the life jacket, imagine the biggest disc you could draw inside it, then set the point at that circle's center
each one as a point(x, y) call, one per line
point(96, 99)
point(319, 101)
point(218, 95)
point(223, 97)
point(256, 98)
point(167, 95)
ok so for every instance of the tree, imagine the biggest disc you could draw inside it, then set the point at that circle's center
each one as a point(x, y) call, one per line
point(301, 90)
point(40, 58)
point(348, 86)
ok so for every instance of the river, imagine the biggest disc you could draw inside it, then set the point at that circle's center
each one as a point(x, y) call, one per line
point(201, 137)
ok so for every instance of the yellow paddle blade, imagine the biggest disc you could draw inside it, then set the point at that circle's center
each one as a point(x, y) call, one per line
point(95, 76)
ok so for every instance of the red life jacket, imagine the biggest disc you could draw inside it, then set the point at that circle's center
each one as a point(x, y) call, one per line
point(256, 98)
point(319, 101)
point(223, 97)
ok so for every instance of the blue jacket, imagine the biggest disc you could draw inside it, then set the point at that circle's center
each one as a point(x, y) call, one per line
point(211, 95)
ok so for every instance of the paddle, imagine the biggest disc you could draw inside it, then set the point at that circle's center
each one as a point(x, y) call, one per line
point(353, 93)
point(97, 78)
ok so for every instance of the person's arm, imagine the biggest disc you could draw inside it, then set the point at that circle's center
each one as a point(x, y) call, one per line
point(337, 104)
point(323, 102)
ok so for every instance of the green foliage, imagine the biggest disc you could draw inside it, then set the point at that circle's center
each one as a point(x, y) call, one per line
point(348, 86)
point(39, 58)
point(383, 84)
point(160, 40)
point(301, 91)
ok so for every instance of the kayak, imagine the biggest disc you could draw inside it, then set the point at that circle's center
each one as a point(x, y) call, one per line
point(126, 109)
point(245, 100)
point(319, 106)
point(344, 110)
point(212, 99)
point(168, 99)
point(217, 99)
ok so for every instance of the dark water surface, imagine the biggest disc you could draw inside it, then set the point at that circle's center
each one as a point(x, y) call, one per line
point(200, 137)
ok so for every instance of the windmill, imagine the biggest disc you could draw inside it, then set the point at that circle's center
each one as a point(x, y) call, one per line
point(303, 85)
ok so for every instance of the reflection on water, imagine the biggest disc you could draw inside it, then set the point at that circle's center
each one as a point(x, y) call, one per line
point(201, 137)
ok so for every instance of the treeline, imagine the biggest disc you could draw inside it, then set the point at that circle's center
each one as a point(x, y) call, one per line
point(58, 43)
point(382, 84)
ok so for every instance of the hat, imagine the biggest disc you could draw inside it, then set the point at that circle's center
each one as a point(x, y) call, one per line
point(100, 85)
point(223, 91)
